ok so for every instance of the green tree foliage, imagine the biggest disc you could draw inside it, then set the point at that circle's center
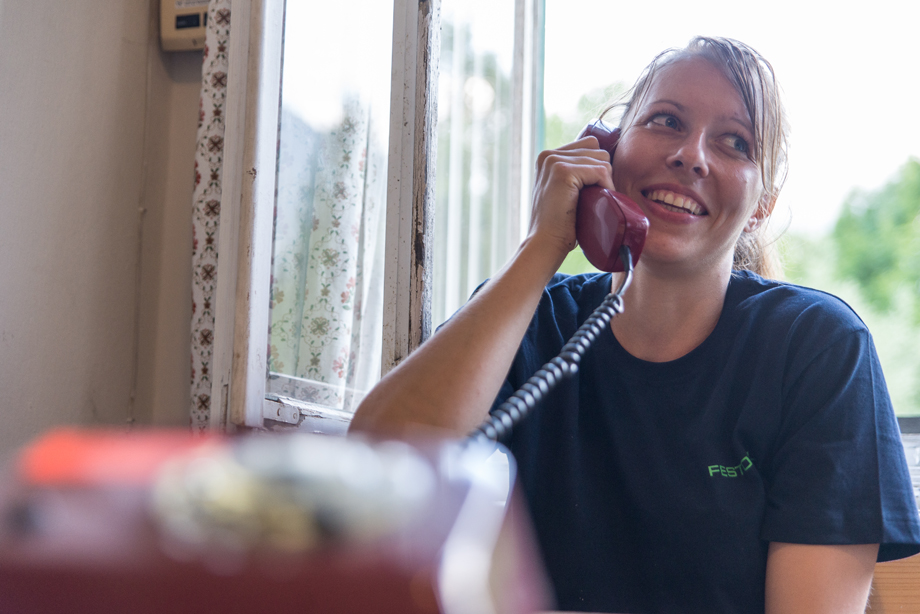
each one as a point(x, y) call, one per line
point(878, 242)
point(559, 130)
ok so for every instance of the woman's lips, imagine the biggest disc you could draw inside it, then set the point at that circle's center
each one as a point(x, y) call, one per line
point(674, 201)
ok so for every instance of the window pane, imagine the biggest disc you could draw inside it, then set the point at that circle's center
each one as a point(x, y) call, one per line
point(473, 216)
point(327, 269)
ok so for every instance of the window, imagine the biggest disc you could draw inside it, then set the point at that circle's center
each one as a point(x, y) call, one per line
point(349, 274)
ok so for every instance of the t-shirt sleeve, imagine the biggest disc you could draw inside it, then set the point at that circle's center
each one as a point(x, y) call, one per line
point(838, 474)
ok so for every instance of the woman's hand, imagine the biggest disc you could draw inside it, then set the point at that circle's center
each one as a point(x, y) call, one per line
point(561, 174)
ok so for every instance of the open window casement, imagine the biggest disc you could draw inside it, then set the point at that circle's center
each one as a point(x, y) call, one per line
point(327, 230)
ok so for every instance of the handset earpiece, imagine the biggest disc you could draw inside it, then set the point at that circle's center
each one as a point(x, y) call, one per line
point(607, 220)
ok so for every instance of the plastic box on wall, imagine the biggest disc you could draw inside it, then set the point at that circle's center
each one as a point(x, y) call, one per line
point(182, 24)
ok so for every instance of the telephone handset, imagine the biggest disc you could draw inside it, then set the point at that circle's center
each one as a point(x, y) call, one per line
point(611, 230)
point(607, 220)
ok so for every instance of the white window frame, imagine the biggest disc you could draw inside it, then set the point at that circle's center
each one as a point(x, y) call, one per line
point(248, 194)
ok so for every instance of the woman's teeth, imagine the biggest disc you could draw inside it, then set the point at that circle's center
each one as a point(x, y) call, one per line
point(676, 202)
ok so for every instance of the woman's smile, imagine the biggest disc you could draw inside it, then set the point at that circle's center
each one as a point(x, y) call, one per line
point(676, 201)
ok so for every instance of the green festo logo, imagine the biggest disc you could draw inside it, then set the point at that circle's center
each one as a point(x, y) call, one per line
point(732, 472)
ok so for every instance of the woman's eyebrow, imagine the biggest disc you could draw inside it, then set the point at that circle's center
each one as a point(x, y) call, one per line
point(674, 103)
point(743, 122)
point(746, 124)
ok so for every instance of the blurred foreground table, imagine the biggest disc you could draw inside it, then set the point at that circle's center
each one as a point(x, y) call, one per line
point(96, 521)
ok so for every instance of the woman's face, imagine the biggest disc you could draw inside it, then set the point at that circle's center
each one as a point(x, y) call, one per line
point(685, 158)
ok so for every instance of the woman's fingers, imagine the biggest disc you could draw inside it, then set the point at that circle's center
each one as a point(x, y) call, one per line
point(584, 147)
point(587, 142)
point(579, 167)
point(561, 175)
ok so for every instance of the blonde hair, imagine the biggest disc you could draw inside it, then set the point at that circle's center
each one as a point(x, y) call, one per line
point(752, 76)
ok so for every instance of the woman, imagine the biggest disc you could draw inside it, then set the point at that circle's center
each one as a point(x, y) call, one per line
point(728, 444)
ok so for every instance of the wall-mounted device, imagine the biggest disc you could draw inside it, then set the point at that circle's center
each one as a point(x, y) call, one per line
point(182, 24)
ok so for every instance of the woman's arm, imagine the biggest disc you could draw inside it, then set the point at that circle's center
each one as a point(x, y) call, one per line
point(451, 381)
point(811, 579)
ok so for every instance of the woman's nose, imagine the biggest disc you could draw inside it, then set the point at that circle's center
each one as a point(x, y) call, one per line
point(691, 154)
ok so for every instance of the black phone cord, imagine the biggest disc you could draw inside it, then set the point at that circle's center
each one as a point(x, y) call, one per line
point(516, 407)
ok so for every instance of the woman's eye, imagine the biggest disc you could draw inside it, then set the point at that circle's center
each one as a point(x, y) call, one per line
point(663, 119)
point(739, 144)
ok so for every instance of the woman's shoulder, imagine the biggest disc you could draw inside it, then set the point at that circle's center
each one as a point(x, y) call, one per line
point(577, 281)
point(579, 286)
point(782, 303)
point(584, 290)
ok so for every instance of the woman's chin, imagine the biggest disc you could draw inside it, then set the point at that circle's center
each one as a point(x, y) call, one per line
point(677, 257)
point(661, 252)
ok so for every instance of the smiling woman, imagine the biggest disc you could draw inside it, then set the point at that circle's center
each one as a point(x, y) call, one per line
point(709, 365)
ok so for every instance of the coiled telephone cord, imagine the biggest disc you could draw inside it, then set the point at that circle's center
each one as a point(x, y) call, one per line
point(500, 422)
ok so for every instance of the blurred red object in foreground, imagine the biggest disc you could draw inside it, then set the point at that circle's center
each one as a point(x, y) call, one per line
point(83, 528)
point(70, 457)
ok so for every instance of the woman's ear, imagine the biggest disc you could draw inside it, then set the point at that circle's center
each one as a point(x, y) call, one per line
point(764, 209)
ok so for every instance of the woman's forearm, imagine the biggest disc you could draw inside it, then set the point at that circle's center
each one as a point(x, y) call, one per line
point(811, 579)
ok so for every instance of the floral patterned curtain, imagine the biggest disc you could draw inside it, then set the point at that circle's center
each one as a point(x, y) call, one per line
point(206, 206)
point(328, 259)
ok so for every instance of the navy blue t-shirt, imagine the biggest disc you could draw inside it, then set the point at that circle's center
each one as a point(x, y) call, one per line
point(657, 487)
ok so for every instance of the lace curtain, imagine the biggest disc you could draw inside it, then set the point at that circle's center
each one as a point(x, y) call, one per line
point(328, 259)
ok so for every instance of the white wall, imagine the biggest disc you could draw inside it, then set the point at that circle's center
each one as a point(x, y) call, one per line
point(164, 358)
point(96, 124)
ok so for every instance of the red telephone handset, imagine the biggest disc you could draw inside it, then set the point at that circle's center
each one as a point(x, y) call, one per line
point(607, 220)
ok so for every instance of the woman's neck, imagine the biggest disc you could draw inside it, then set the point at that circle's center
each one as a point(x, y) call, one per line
point(667, 315)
